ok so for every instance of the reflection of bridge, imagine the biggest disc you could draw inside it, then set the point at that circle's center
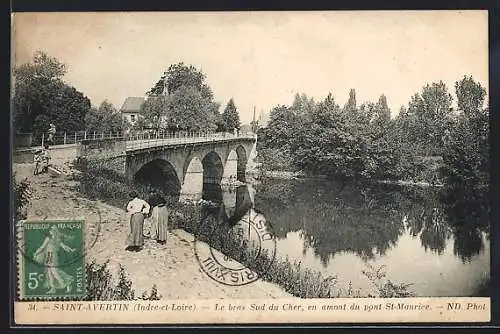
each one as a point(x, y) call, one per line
point(176, 164)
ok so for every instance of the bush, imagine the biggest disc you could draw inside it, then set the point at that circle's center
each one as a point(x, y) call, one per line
point(100, 283)
point(152, 295)
point(97, 182)
point(102, 286)
point(384, 287)
point(272, 159)
point(22, 195)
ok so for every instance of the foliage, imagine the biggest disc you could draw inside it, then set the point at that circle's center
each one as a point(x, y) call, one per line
point(470, 96)
point(230, 117)
point(102, 286)
point(181, 100)
point(41, 97)
point(188, 110)
point(324, 139)
point(467, 147)
point(350, 106)
point(426, 119)
point(154, 111)
point(427, 141)
point(467, 164)
point(274, 159)
point(151, 295)
point(43, 65)
point(105, 119)
point(22, 196)
point(384, 287)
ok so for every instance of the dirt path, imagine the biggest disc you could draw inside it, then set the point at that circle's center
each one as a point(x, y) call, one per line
point(172, 267)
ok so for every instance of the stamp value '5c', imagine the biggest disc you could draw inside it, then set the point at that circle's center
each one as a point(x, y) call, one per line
point(51, 259)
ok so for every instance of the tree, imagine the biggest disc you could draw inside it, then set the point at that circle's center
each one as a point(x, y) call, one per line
point(467, 148)
point(105, 119)
point(43, 66)
point(179, 75)
point(470, 96)
point(189, 111)
point(350, 106)
point(382, 111)
point(41, 97)
point(182, 100)
point(426, 119)
point(230, 116)
point(154, 111)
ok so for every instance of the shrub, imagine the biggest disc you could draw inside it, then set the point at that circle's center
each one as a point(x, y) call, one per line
point(21, 198)
point(384, 287)
point(152, 295)
point(100, 284)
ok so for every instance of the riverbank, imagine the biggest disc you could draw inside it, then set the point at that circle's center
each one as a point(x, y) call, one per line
point(288, 175)
point(173, 267)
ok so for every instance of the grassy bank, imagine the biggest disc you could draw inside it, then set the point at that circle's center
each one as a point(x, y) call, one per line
point(97, 183)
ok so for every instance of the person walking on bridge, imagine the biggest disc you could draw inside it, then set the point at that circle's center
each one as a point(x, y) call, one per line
point(137, 209)
point(51, 133)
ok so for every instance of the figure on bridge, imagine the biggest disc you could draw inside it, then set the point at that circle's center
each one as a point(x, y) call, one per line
point(51, 132)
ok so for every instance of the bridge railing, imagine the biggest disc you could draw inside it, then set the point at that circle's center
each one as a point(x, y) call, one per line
point(158, 139)
point(26, 140)
point(144, 138)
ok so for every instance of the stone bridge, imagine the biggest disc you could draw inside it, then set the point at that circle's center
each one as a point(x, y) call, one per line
point(185, 166)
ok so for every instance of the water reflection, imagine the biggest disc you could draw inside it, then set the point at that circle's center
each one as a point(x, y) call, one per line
point(333, 219)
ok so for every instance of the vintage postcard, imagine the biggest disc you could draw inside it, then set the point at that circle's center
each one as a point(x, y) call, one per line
point(250, 167)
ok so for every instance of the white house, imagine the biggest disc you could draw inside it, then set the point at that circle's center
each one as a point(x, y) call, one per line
point(131, 111)
point(131, 108)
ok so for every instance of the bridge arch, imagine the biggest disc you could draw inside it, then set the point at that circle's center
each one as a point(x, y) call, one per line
point(241, 168)
point(213, 170)
point(193, 179)
point(236, 164)
point(159, 174)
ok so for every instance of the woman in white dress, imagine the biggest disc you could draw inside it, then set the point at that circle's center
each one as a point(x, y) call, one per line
point(137, 208)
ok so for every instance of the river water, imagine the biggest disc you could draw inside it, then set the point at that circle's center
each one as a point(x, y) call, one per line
point(442, 248)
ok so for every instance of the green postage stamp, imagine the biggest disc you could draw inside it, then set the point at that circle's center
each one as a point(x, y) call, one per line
point(51, 259)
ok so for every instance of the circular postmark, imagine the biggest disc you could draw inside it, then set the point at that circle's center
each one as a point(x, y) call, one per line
point(238, 254)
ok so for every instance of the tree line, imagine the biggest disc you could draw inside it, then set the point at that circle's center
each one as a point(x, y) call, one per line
point(180, 100)
point(428, 140)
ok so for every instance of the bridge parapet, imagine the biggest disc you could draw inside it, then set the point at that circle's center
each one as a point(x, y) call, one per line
point(151, 144)
point(101, 148)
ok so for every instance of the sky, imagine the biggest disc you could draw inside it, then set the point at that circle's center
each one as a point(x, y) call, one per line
point(262, 59)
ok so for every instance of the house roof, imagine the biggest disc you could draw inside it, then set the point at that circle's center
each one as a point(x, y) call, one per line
point(132, 104)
